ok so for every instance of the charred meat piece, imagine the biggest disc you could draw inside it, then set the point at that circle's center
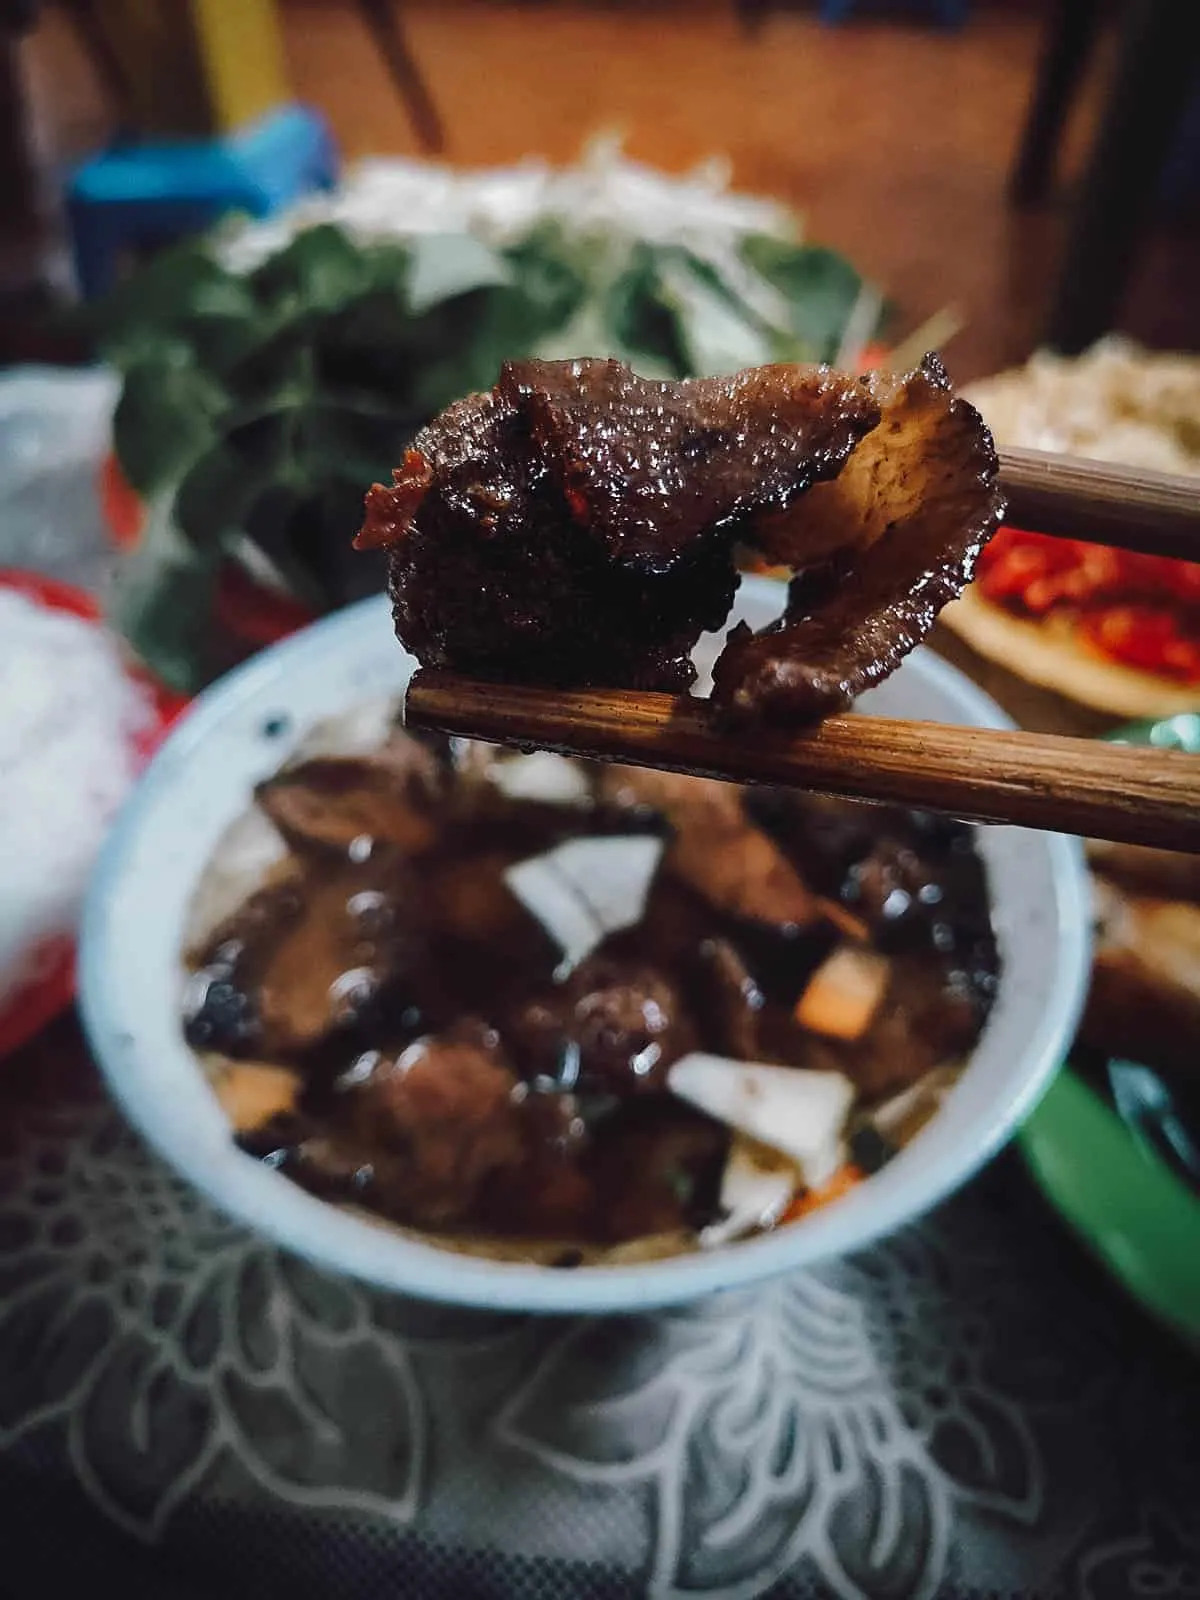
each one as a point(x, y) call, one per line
point(733, 1000)
point(898, 533)
point(615, 1026)
point(738, 870)
point(320, 1162)
point(657, 1168)
point(303, 962)
point(345, 804)
point(576, 525)
point(650, 467)
point(470, 901)
point(823, 836)
point(329, 964)
point(926, 1018)
point(716, 850)
point(668, 794)
point(485, 938)
point(221, 1014)
point(551, 1194)
point(440, 1121)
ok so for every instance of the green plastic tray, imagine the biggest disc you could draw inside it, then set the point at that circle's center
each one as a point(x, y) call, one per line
point(1132, 1212)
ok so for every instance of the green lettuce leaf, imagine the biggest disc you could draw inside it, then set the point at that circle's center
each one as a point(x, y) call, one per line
point(257, 408)
point(820, 289)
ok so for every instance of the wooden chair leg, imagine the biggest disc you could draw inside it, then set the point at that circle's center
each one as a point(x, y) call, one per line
point(1070, 36)
point(87, 19)
point(953, 13)
point(950, 13)
point(383, 21)
point(1154, 78)
point(751, 13)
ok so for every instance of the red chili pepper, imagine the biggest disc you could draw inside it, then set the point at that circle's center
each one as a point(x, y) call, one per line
point(1144, 637)
point(122, 506)
point(872, 356)
point(1143, 610)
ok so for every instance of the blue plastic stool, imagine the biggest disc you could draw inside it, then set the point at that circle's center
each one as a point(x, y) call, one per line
point(951, 13)
point(149, 193)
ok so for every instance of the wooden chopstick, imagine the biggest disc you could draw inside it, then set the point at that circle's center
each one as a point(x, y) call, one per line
point(1153, 513)
point(1129, 795)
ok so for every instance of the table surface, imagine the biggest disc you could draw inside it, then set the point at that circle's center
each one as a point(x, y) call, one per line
point(967, 1409)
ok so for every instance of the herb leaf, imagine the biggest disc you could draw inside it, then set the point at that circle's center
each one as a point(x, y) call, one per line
point(257, 408)
point(164, 418)
point(444, 265)
point(819, 287)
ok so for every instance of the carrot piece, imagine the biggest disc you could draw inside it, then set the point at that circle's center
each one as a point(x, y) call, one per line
point(251, 1093)
point(844, 993)
point(846, 1177)
point(845, 921)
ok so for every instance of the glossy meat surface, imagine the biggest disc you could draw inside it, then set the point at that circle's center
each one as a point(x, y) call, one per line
point(651, 467)
point(578, 526)
point(914, 506)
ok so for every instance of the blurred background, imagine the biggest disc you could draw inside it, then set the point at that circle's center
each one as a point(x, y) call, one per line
point(691, 184)
point(895, 129)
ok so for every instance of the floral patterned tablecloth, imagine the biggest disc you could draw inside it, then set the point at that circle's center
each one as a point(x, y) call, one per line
point(968, 1409)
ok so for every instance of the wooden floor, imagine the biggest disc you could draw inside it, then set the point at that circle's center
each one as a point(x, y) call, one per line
point(892, 138)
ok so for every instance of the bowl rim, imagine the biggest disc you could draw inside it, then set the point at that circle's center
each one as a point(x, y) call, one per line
point(355, 1244)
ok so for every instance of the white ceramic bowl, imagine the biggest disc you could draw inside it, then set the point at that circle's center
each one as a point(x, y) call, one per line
point(131, 984)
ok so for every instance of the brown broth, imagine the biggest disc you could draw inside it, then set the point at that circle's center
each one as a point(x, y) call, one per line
point(455, 1080)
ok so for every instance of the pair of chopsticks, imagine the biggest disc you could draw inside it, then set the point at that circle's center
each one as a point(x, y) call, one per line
point(1129, 795)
